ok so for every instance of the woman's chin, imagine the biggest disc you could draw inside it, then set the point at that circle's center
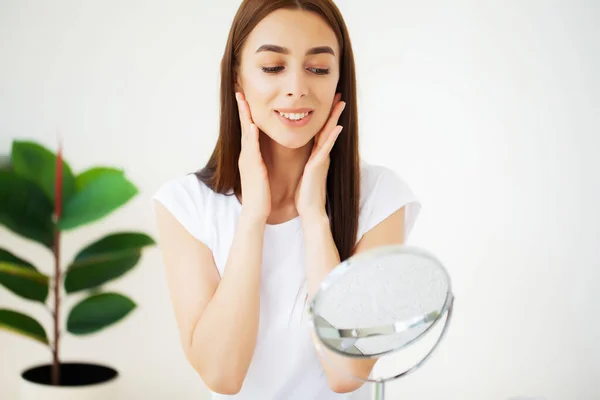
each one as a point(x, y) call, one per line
point(291, 140)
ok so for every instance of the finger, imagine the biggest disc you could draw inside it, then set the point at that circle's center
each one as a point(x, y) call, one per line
point(331, 122)
point(336, 99)
point(319, 137)
point(333, 138)
point(254, 136)
point(238, 99)
point(248, 137)
point(328, 145)
point(244, 113)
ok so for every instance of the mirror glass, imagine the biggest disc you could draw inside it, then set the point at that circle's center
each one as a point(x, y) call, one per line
point(381, 301)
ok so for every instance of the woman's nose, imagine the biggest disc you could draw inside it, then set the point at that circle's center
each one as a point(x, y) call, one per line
point(298, 86)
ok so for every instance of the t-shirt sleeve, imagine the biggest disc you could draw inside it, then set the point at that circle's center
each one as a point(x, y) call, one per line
point(384, 192)
point(186, 201)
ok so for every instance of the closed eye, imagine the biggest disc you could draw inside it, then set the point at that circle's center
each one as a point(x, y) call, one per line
point(316, 71)
point(271, 70)
point(320, 71)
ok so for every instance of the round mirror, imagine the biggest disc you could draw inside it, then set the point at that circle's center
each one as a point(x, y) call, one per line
point(379, 302)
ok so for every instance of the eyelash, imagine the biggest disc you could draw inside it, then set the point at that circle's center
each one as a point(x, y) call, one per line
point(274, 70)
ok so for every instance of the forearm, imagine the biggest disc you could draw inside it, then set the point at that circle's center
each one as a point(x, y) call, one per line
point(224, 339)
point(322, 257)
point(321, 253)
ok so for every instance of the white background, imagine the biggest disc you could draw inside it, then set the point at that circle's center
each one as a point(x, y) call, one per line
point(489, 110)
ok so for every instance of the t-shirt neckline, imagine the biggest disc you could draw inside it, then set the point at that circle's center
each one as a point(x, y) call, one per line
point(273, 227)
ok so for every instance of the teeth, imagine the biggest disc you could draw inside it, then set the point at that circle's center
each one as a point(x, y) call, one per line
point(294, 116)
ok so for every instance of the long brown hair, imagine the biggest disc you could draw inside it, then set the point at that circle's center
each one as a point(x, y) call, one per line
point(221, 172)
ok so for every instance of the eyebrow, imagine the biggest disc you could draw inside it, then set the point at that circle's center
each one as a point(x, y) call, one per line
point(282, 50)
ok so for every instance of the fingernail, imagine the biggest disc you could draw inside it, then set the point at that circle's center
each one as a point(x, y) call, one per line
point(237, 96)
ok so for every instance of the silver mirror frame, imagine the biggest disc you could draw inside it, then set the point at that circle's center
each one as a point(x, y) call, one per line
point(344, 268)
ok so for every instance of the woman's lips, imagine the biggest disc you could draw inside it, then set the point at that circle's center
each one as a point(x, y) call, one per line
point(295, 124)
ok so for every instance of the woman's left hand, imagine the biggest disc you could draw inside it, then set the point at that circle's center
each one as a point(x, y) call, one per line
point(312, 188)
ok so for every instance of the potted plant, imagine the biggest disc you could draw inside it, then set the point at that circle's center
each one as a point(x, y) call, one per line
point(40, 198)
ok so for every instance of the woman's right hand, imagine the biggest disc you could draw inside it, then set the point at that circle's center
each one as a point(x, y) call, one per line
point(256, 193)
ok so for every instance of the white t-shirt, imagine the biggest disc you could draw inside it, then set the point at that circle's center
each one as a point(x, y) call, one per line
point(285, 364)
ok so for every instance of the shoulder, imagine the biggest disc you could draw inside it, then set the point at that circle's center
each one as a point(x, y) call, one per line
point(379, 180)
point(190, 202)
point(183, 185)
point(184, 193)
point(384, 191)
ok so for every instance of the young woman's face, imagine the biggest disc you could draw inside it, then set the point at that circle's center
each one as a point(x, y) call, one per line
point(289, 72)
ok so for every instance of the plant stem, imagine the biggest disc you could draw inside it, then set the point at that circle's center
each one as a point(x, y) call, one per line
point(58, 182)
point(55, 358)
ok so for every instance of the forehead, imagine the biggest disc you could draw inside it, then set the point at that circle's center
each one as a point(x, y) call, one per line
point(297, 30)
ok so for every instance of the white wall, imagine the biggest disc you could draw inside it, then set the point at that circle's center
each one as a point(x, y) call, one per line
point(490, 110)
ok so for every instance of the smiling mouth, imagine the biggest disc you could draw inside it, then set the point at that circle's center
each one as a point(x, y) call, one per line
point(295, 119)
point(294, 116)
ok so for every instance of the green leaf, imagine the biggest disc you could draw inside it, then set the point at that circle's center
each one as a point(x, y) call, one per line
point(90, 175)
point(20, 323)
point(22, 278)
point(38, 164)
point(102, 194)
point(5, 163)
point(24, 209)
point(105, 260)
point(98, 312)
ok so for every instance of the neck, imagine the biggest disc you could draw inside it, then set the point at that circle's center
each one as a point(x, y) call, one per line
point(285, 167)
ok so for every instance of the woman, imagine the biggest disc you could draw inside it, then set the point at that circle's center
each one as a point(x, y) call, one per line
point(283, 199)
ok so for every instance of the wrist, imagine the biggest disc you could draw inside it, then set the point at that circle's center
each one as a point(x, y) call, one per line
point(252, 218)
point(315, 219)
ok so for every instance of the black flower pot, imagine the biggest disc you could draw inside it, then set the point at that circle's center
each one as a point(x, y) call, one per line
point(78, 381)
